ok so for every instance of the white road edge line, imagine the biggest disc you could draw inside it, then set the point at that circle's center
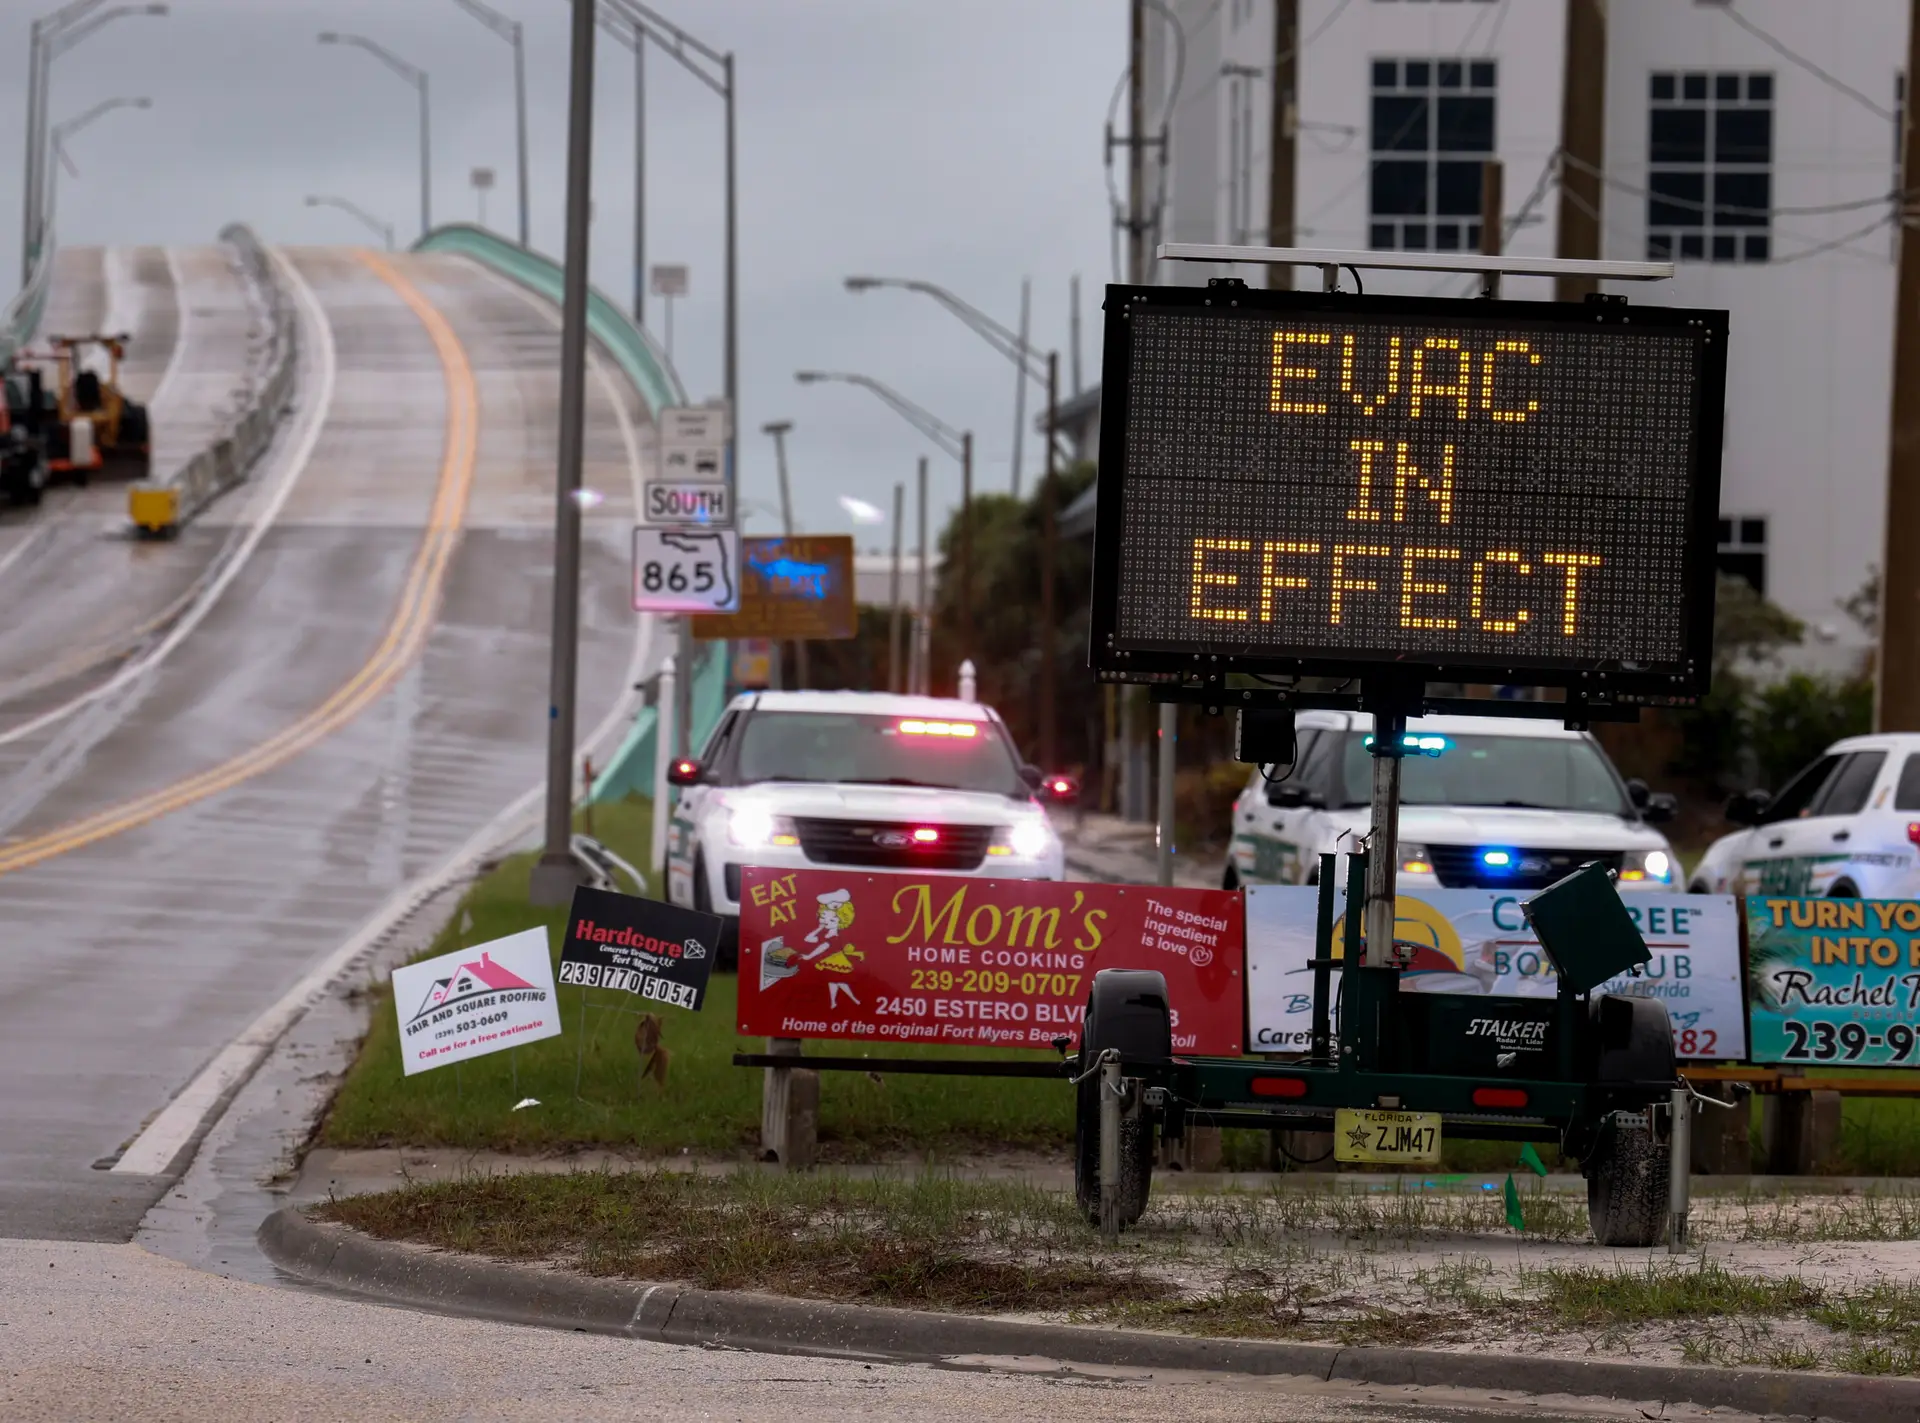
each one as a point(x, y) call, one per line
point(200, 1103)
point(313, 417)
point(182, 320)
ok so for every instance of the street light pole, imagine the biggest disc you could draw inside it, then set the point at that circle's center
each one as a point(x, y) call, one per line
point(417, 77)
point(384, 229)
point(556, 874)
point(640, 180)
point(513, 33)
point(57, 140)
point(957, 444)
point(49, 37)
point(778, 429)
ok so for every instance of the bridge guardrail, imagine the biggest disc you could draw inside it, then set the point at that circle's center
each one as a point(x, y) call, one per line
point(645, 364)
point(162, 505)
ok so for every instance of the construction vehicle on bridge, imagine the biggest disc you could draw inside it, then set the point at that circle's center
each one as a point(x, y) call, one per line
point(23, 450)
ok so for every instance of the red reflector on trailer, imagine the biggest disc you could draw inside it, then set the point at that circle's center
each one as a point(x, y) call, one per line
point(1499, 1097)
point(1279, 1086)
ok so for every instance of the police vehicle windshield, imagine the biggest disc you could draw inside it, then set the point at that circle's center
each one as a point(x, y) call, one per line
point(1524, 772)
point(878, 750)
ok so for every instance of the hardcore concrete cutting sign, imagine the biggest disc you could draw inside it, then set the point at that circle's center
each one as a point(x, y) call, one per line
point(976, 962)
point(475, 1001)
point(1834, 981)
point(646, 947)
point(1474, 941)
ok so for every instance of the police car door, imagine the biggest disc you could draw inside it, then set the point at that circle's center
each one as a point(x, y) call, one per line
point(1269, 817)
point(1767, 859)
point(1813, 848)
point(682, 828)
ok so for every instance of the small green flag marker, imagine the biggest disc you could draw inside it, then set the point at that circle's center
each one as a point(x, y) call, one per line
point(1530, 1157)
point(1514, 1218)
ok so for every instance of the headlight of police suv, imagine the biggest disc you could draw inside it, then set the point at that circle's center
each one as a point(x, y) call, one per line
point(1646, 867)
point(752, 827)
point(1027, 839)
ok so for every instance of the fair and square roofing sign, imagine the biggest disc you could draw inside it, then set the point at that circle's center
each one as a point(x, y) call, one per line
point(475, 1001)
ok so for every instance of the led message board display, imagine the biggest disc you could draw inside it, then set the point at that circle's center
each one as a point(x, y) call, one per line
point(1511, 491)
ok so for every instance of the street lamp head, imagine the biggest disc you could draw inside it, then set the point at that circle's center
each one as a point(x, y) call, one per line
point(809, 377)
point(159, 10)
point(329, 37)
point(862, 284)
point(776, 427)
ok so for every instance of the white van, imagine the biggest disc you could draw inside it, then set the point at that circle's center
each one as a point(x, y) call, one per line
point(1490, 803)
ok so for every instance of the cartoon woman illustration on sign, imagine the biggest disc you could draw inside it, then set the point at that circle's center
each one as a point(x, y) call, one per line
point(836, 915)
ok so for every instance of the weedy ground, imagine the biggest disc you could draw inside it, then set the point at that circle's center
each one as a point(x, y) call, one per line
point(1794, 1282)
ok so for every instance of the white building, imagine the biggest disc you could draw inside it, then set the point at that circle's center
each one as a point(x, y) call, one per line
point(1770, 125)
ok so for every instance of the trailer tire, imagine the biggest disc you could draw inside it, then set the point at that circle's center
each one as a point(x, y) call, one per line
point(1126, 1009)
point(1627, 1182)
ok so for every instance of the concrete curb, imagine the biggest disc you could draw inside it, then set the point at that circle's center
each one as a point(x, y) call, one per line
point(675, 1314)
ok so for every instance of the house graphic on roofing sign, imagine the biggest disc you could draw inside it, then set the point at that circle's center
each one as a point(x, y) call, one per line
point(469, 981)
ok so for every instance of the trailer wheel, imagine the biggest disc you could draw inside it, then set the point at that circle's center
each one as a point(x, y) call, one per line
point(1627, 1180)
point(1126, 1009)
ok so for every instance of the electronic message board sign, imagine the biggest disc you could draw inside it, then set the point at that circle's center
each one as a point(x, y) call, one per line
point(1522, 492)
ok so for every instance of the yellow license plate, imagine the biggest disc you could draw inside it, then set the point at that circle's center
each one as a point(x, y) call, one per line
point(1386, 1136)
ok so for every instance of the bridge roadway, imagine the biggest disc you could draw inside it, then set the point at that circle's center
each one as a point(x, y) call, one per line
point(183, 834)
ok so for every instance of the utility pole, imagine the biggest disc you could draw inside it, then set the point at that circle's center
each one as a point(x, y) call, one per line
point(640, 181)
point(1493, 211)
point(922, 642)
point(893, 599)
point(1583, 149)
point(778, 429)
point(1073, 318)
point(1049, 556)
point(1897, 683)
point(556, 874)
point(966, 544)
point(1283, 134)
point(1020, 384)
point(1137, 144)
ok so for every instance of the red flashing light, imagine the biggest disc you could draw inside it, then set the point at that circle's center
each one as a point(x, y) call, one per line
point(939, 728)
point(1279, 1086)
point(926, 835)
point(1913, 832)
point(1499, 1097)
point(1061, 787)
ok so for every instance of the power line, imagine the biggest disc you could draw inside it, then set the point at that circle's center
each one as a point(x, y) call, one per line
point(1792, 56)
point(1811, 210)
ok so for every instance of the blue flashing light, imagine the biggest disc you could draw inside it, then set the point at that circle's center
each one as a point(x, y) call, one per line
point(1415, 743)
point(1496, 859)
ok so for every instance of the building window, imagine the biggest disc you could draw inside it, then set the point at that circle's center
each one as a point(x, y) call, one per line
point(1710, 167)
point(1743, 551)
point(1432, 134)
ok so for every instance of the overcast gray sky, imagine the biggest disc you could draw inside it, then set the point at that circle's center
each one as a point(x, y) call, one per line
point(958, 142)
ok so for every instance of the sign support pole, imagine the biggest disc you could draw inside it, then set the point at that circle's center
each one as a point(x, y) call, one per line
point(1383, 841)
point(556, 874)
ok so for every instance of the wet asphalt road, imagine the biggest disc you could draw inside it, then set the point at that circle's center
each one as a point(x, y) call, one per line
point(127, 962)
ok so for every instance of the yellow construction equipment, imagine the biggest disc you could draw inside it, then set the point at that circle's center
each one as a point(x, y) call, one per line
point(118, 440)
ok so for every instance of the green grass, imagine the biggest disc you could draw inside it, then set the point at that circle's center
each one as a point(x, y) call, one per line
point(934, 1242)
point(588, 1082)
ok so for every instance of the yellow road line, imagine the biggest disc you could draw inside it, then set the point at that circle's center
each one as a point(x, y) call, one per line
point(406, 635)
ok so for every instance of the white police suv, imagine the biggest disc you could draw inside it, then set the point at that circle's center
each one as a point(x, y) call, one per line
point(856, 780)
point(1488, 803)
point(1847, 825)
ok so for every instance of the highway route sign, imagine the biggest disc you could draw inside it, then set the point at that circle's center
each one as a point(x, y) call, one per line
point(791, 589)
point(686, 570)
point(1480, 491)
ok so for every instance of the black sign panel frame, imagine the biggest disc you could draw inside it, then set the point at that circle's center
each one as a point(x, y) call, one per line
point(658, 952)
point(1116, 658)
